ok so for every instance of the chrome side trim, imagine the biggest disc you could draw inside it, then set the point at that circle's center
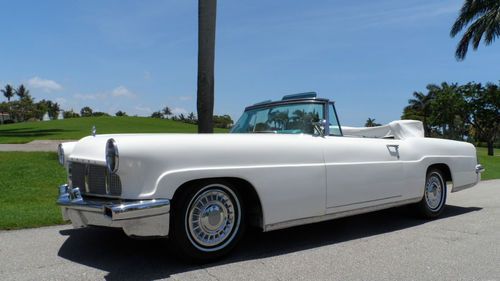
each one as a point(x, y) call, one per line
point(291, 223)
point(367, 201)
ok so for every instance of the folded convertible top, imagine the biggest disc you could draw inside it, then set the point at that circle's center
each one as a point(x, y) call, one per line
point(399, 129)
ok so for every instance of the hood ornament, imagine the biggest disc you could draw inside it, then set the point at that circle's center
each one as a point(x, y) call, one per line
point(94, 131)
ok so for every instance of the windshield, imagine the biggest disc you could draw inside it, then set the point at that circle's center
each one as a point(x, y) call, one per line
point(296, 118)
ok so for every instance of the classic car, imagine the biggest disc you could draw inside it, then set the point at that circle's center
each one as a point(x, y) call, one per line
point(285, 163)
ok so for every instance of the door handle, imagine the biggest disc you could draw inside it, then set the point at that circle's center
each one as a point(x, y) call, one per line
point(395, 147)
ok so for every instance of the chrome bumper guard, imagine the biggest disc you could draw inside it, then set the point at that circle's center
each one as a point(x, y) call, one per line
point(136, 218)
point(479, 168)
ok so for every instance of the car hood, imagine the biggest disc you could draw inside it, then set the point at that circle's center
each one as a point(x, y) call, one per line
point(91, 149)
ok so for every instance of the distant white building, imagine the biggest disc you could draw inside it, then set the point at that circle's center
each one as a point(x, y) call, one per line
point(4, 117)
point(46, 117)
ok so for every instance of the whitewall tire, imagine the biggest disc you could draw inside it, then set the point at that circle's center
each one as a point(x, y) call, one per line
point(434, 198)
point(208, 220)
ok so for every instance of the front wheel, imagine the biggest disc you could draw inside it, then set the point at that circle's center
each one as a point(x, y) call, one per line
point(208, 221)
point(434, 198)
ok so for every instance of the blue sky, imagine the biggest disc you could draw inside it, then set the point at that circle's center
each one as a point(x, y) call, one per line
point(138, 56)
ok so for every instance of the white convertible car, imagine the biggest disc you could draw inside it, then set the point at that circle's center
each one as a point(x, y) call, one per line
point(285, 163)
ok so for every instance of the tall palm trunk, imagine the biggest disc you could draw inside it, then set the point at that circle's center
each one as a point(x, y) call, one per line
point(490, 148)
point(206, 54)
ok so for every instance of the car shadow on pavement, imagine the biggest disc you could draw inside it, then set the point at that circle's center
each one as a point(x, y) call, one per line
point(125, 258)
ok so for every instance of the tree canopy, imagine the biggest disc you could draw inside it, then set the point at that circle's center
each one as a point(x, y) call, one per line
point(460, 112)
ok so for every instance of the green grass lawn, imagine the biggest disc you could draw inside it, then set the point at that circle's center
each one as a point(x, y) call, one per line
point(28, 189)
point(76, 128)
point(490, 163)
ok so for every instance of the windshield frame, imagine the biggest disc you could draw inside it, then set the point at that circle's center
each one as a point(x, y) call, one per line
point(325, 102)
point(327, 130)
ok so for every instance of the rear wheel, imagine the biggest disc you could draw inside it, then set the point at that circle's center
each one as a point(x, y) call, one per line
point(208, 220)
point(434, 198)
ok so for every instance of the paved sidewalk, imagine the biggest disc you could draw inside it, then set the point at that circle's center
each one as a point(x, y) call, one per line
point(37, 145)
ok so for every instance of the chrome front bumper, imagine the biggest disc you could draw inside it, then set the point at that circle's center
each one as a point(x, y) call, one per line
point(136, 218)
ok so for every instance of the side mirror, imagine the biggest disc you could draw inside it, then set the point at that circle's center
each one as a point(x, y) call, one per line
point(319, 127)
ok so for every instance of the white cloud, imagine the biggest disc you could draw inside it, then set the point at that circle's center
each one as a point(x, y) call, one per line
point(179, 110)
point(45, 85)
point(411, 14)
point(121, 91)
point(185, 98)
point(62, 101)
point(90, 96)
point(143, 109)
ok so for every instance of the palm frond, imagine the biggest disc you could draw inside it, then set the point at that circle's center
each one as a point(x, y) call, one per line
point(493, 30)
point(471, 10)
point(485, 18)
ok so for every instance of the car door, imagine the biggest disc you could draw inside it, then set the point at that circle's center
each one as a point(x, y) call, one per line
point(362, 172)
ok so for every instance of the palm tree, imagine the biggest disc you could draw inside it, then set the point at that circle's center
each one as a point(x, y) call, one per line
point(421, 103)
point(8, 92)
point(192, 118)
point(484, 19)
point(21, 92)
point(207, 10)
point(370, 122)
point(166, 111)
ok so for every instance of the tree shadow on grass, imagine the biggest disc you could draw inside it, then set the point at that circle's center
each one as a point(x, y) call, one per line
point(124, 258)
point(31, 132)
point(13, 129)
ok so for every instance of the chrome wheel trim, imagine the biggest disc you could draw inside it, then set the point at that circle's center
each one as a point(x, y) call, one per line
point(434, 191)
point(212, 218)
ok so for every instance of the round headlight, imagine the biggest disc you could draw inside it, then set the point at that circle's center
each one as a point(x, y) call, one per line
point(112, 156)
point(60, 154)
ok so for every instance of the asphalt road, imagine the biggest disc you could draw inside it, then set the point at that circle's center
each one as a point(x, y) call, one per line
point(390, 245)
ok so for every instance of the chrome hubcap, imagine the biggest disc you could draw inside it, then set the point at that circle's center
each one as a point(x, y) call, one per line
point(213, 217)
point(434, 192)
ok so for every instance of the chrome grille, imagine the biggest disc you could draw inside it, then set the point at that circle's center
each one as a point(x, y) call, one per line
point(98, 179)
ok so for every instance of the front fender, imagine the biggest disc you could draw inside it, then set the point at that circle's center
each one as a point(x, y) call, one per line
point(285, 192)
